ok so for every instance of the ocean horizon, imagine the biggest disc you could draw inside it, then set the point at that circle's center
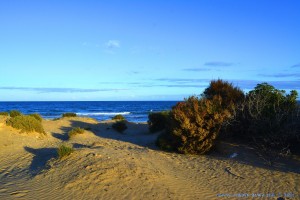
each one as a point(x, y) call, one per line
point(133, 111)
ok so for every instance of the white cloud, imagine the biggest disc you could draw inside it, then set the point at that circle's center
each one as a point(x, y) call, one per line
point(112, 44)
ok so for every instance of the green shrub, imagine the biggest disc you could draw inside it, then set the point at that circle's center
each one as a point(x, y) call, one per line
point(157, 120)
point(4, 113)
point(75, 131)
point(14, 113)
point(269, 117)
point(194, 125)
point(69, 115)
point(64, 151)
point(118, 117)
point(37, 116)
point(120, 126)
point(26, 124)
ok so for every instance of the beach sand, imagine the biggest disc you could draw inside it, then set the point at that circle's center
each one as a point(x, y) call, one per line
point(111, 165)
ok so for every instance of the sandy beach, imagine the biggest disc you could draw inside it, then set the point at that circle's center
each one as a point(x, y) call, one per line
point(111, 165)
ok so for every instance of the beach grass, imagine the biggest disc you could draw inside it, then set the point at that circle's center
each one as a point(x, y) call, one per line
point(120, 126)
point(26, 123)
point(118, 117)
point(69, 114)
point(14, 113)
point(4, 113)
point(75, 131)
point(64, 151)
point(37, 116)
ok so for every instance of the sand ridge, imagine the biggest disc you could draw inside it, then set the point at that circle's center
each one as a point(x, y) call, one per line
point(110, 165)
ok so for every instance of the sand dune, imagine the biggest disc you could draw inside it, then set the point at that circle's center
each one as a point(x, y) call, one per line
point(110, 165)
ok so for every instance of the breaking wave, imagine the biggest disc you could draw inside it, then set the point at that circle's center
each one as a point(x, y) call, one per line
point(103, 113)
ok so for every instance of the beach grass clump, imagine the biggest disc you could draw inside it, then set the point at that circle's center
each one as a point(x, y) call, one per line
point(75, 131)
point(69, 114)
point(157, 121)
point(37, 116)
point(4, 114)
point(14, 113)
point(118, 117)
point(64, 151)
point(194, 125)
point(26, 123)
point(120, 126)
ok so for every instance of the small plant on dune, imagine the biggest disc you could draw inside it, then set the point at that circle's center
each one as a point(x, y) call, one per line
point(118, 117)
point(194, 125)
point(120, 126)
point(75, 131)
point(26, 123)
point(64, 151)
point(14, 113)
point(70, 114)
point(157, 120)
point(4, 113)
point(37, 116)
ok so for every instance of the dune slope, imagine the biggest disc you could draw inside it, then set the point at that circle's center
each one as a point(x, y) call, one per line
point(111, 165)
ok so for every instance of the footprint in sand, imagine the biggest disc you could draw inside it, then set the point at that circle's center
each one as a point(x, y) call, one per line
point(230, 171)
point(21, 193)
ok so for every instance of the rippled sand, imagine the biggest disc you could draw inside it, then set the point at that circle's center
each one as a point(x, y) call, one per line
point(110, 165)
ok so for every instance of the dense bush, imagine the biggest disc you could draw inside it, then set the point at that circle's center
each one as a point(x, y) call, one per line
point(269, 116)
point(118, 117)
point(120, 126)
point(158, 120)
point(266, 118)
point(14, 113)
point(4, 113)
point(64, 151)
point(37, 116)
point(69, 115)
point(230, 94)
point(75, 131)
point(26, 124)
point(194, 125)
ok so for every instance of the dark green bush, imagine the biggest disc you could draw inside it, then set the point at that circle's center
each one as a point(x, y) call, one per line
point(118, 117)
point(75, 131)
point(120, 126)
point(26, 124)
point(194, 125)
point(157, 120)
point(64, 151)
point(69, 115)
point(14, 113)
point(4, 113)
point(37, 116)
point(269, 117)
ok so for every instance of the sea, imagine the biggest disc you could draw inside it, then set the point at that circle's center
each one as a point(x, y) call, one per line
point(133, 111)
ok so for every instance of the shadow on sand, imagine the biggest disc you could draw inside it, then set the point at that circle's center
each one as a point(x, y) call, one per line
point(139, 134)
point(135, 133)
point(64, 136)
point(40, 158)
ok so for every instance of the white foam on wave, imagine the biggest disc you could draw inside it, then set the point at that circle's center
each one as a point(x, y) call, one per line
point(103, 113)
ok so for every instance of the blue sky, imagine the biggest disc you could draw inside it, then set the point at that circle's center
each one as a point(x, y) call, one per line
point(144, 50)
